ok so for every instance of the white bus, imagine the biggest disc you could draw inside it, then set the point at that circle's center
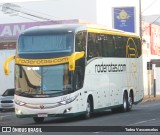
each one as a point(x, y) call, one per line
point(73, 69)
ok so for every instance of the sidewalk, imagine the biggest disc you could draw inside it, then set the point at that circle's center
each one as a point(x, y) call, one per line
point(150, 98)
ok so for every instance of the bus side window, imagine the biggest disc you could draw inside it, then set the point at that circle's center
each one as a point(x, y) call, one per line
point(99, 42)
point(139, 46)
point(91, 48)
point(80, 41)
point(120, 48)
point(108, 46)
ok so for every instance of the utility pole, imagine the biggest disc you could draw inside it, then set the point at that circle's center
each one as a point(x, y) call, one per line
point(140, 19)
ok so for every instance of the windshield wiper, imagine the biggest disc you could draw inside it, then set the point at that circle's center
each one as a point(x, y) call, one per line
point(52, 90)
point(23, 93)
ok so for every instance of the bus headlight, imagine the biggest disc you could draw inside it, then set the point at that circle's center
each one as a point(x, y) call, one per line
point(69, 100)
point(18, 111)
point(20, 103)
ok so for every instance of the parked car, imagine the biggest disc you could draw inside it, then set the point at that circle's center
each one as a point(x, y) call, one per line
point(7, 99)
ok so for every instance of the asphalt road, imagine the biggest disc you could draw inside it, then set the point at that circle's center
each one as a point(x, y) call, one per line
point(146, 114)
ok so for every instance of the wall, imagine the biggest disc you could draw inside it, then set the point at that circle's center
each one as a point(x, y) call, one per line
point(151, 51)
point(158, 80)
point(6, 81)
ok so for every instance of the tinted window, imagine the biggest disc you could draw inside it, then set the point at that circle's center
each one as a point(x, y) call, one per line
point(138, 45)
point(9, 92)
point(120, 46)
point(108, 46)
point(100, 45)
point(80, 42)
point(94, 46)
point(61, 42)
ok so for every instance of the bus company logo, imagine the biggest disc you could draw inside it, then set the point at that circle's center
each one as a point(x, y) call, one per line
point(110, 68)
point(41, 106)
point(41, 62)
point(131, 49)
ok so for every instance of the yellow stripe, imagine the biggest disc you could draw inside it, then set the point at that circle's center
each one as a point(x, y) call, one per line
point(132, 55)
point(53, 61)
point(6, 64)
point(112, 32)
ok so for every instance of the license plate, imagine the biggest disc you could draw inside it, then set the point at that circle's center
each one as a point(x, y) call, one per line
point(42, 115)
point(7, 105)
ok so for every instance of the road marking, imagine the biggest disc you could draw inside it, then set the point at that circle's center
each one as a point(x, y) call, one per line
point(96, 132)
point(141, 122)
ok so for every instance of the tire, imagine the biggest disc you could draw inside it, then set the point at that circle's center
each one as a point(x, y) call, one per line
point(130, 102)
point(125, 102)
point(88, 109)
point(38, 119)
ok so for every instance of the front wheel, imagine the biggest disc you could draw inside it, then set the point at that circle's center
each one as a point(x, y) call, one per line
point(38, 119)
point(88, 109)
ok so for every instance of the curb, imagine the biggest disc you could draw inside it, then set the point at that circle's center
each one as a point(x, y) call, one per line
point(150, 99)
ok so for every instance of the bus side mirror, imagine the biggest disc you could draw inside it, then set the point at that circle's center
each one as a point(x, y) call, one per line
point(72, 59)
point(6, 64)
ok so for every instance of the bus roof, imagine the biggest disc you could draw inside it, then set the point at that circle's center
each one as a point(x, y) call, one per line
point(104, 29)
point(76, 27)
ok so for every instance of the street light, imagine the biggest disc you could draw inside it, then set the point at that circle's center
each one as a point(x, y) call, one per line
point(13, 9)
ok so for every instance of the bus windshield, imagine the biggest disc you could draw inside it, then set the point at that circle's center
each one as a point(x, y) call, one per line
point(59, 42)
point(46, 80)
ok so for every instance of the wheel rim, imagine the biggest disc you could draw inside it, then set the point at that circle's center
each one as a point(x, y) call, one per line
point(130, 102)
point(88, 110)
point(124, 103)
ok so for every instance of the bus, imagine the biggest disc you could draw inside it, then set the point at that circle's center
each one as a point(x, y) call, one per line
point(76, 69)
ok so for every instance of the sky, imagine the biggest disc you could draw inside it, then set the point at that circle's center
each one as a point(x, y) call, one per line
point(148, 7)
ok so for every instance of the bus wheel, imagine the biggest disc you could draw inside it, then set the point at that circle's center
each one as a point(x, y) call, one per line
point(88, 109)
point(130, 103)
point(125, 102)
point(38, 119)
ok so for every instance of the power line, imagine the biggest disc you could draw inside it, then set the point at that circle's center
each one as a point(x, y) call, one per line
point(28, 18)
point(40, 17)
point(9, 8)
point(42, 13)
point(147, 9)
point(149, 6)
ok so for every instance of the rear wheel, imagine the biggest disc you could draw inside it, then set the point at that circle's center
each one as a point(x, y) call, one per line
point(130, 102)
point(38, 119)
